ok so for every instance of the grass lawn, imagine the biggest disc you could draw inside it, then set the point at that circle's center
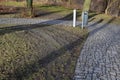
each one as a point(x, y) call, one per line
point(39, 52)
point(39, 10)
point(106, 18)
point(13, 3)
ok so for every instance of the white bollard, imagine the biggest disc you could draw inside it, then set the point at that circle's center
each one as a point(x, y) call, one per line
point(74, 18)
point(82, 20)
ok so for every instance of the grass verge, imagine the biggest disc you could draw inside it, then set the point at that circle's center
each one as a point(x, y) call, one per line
point(107, 18)
point(39, 52)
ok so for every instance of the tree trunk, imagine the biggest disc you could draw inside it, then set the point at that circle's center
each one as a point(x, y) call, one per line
point(29, 3)
point(86, 6)
point(30, 7)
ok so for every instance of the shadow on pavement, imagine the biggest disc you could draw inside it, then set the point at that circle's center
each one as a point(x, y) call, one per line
point(10, 29)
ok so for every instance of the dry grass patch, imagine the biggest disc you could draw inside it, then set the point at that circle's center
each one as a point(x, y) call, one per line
point(39, 52)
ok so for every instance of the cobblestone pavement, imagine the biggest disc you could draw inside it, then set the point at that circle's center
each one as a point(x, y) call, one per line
point(100, 56)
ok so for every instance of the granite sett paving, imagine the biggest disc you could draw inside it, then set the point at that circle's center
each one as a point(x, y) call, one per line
point(100, 56)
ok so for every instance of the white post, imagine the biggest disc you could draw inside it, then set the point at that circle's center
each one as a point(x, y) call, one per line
point(74, 18)
point(82, 20)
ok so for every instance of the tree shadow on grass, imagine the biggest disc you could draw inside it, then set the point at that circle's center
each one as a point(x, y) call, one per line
point(90, 20)
point(102, 27)
point(70, 16)
point(30, 69)
point(92, 15)
point(42, 13)
point(96, 23)
point(5, 13)
point(10, 10)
